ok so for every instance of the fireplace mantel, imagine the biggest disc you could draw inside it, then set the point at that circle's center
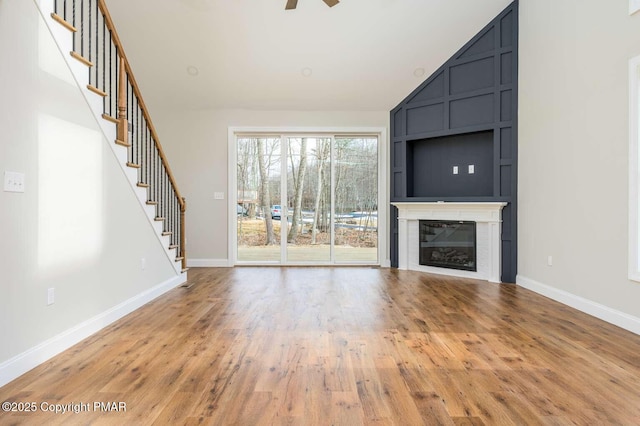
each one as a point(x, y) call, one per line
point(487, 216)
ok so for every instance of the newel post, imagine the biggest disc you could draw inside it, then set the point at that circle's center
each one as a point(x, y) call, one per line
point(123, 125)
point(183, 237)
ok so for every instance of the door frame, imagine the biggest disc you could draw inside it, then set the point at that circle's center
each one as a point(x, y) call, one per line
point(327, 132)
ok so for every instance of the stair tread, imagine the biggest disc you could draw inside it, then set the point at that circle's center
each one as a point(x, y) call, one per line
point(81, 58)
point(97, 91)
point(133, 165)
point(174, 246)
point(122, 143)
point(167, 233)
point(178, 259)
point(159, 219)
point(142, 185)
point(60, 20)
point(152, 203)
point(110, 118)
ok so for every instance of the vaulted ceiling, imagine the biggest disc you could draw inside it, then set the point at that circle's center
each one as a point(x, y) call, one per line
point(357, 55)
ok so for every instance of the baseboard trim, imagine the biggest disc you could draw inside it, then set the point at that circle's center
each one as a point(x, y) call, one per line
point(605, 313)
point(21, 363)
point(208, 263)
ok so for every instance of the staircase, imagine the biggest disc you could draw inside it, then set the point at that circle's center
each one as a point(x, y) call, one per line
point(86, 36)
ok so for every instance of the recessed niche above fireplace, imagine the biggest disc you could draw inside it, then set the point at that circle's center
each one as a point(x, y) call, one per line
point(451, 166)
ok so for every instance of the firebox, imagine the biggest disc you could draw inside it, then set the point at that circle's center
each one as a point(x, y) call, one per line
point(448, 244)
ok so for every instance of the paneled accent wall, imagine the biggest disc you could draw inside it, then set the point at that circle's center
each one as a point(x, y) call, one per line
point(454, 138)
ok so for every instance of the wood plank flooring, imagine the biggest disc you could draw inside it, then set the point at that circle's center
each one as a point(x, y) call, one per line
point(342, 346)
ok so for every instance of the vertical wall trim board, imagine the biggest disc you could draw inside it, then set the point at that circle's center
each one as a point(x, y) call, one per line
point(514, 143)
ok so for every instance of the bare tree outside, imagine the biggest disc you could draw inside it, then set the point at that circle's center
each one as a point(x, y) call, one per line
point(247, 182)
point(298, 184)
point(265, 196)
point(322, 153)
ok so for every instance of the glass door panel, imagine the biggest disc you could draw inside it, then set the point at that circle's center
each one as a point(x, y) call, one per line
point(356, 199)
point(308, 200)
point(258, 210)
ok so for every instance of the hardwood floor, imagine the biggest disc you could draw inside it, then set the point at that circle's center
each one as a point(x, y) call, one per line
point(342, 346)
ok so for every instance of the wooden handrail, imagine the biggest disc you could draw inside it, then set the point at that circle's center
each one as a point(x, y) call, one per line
point(143, 107)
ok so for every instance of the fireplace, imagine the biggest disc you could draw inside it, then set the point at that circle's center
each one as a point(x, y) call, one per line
point(448, 244)
point(486, 219)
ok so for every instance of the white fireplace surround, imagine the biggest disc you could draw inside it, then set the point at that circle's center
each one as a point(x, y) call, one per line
point(488, 218)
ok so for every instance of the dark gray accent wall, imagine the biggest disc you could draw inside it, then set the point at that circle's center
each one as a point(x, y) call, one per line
point(464, 114)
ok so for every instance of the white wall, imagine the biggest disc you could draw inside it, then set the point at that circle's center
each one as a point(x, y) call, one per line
point(573, 154)
point(196, 142)
point(78, 227)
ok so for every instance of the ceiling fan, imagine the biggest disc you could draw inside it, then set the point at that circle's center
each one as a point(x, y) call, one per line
point(291, 4)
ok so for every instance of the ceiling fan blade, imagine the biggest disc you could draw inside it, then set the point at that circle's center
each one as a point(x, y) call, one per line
point(331, 3)
point(291, 4)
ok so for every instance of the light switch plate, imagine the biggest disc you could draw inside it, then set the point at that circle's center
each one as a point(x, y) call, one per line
point(13, 182)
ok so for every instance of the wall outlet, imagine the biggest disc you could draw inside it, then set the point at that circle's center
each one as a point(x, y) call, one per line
point(455, 170)
point(472, 169)
point(218, 195)
point(51, 296)
point(13, 182)
point(550, 260)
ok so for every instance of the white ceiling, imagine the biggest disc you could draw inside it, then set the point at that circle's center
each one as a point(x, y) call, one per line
point(363, 54)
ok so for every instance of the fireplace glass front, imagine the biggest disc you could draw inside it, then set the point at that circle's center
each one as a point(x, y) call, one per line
point(448, 244)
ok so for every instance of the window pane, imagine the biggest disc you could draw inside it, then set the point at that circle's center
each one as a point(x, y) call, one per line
point(258, 196)
point(356, 198)
point(309, 200)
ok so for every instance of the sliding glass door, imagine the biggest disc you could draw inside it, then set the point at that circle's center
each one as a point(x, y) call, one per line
point(307, 199)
